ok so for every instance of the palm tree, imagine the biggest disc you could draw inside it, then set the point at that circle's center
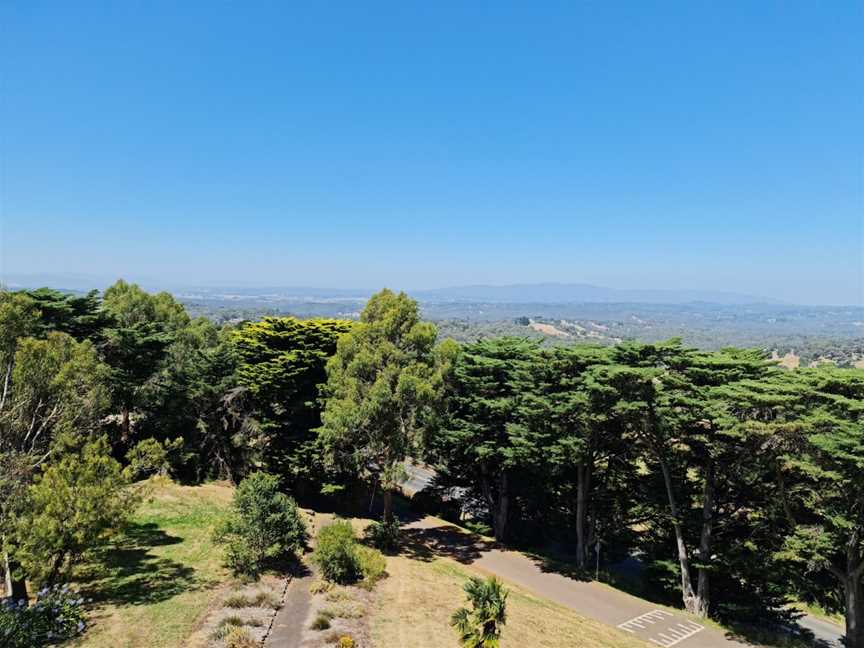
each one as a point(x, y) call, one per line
point(481, 626)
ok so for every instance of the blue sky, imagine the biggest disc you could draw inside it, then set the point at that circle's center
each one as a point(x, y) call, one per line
point(629, 144)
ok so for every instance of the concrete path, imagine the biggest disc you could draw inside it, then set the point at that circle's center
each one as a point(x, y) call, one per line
point(659, 626)
point(287, 630)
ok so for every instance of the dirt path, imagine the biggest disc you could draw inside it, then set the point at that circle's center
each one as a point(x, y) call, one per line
point(287, 631)
point(659, 626)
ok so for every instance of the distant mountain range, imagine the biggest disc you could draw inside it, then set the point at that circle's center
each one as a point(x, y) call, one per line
point(560, 293)
point(538, 293)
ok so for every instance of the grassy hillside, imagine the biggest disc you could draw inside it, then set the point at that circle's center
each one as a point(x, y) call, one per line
point(414, 604)
point(154, 584)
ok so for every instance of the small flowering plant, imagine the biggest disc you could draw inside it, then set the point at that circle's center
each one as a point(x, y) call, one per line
point(56, 615)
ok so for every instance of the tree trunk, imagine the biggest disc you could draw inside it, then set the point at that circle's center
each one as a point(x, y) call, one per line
point(687, 593)
point(583, 486)
point(703, 591)
point(16, 589)
point(502, 511)
point(388, 505)
point(498, 508)
point(854, 610)
point(125, 424)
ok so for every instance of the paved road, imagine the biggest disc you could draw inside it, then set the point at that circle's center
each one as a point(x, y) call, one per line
point(418, 478)
point(636, 616)
point(830, 634)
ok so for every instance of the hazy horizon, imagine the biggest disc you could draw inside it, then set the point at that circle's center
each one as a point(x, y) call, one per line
point(437, 146)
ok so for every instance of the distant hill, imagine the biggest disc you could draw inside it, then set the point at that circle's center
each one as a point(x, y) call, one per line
point(559, 293)
point(539, 293)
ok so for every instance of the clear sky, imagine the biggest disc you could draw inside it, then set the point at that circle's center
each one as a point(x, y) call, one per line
point(715, 145)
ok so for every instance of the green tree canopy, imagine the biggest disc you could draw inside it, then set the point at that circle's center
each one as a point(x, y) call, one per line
point(380, 385)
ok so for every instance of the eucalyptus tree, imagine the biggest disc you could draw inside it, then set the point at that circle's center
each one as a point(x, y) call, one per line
point(382, 383)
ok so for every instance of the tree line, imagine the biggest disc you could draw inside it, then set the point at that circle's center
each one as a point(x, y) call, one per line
point(738, 485)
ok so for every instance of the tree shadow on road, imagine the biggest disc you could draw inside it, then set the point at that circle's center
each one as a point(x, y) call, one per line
point(448, 541)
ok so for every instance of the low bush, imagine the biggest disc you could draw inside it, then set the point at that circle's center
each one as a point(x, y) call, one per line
point(321, 622)
point(226, 625)
point(342, 560)
point(373, 565)
point(240, 638)
point(346, 641)
point(319, 586)
point(336, 554)
point(55, 616)
point(260, 599)
point(263, 524)
point(383, 535)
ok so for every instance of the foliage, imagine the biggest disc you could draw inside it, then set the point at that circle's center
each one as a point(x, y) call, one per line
point(482, 624)
point(264, 524)
point(372, 565)
point(383, 535)
point(150, 457)
point(55, 616)
point(484, 441)
point(321, 622)
point(335, 553)
point(281, 364)
point(380, 384)
point(238, 637)
point(74, 507)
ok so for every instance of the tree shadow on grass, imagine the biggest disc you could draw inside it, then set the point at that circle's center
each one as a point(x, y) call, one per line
point(129, 573)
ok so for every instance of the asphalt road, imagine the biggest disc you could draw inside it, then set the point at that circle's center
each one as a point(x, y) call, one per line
point(659, 626)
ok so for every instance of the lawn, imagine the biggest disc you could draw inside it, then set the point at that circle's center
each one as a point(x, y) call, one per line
point(414, 604)
point(152, 587)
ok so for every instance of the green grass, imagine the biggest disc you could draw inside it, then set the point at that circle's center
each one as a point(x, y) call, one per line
point(151, 587)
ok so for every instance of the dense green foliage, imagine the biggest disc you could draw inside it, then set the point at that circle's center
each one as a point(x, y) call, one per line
point(380, 384)
point(481, 626)
point(737, 483)
point(263, 525)
point(73, 507)
point(281, 364)
point(335, 552)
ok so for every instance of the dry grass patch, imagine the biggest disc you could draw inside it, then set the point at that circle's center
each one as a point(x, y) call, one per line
point(414, 605)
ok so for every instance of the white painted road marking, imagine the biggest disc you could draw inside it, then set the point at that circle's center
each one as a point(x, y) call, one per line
point(670, 635)
point(643, 620)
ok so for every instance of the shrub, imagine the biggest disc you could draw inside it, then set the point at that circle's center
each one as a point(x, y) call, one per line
point(266, 600)
point(319, 586)
point(55, 616)
point(85, 489)
point(237, 601)
point(321, 622)
point(263, 524)
point(483, 623)
point(336, 553)
point(346, 642)
point(150, 457)
point(260, 599)
point(373, 565)
point(383, 535)
point(240, 638)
